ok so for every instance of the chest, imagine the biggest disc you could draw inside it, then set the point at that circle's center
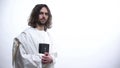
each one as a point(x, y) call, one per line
point(41, 37)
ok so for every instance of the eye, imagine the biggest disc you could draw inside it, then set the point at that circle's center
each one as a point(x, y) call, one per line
point(46, 14)
point(41, 13)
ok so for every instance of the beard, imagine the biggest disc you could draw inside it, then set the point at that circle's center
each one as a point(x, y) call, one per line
point(42, 22)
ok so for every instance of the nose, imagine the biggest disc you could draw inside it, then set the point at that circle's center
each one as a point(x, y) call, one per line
point(44, 15)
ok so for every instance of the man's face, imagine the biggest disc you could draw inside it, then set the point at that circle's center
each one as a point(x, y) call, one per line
point(43, 16)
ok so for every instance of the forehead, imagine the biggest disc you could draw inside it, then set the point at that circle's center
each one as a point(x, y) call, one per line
point(44, 9)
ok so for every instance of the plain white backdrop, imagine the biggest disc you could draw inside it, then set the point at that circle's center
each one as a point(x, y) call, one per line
point(87, 32)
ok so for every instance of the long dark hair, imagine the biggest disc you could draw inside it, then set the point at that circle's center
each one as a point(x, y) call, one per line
point(35, 16)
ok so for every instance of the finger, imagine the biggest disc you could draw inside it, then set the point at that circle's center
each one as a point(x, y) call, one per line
point(44, 61)
point(44, 57)
point(46, 53)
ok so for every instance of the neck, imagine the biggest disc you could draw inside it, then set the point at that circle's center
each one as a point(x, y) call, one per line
point(40, 27)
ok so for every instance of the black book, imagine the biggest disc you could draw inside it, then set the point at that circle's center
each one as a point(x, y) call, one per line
point(43, 47)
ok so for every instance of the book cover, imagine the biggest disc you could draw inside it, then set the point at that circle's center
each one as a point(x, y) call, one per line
point(43, 47)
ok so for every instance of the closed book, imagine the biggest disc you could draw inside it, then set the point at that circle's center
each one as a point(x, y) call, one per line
point(43, 47)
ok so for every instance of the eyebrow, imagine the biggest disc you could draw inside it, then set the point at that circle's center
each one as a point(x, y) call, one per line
point(46, 13)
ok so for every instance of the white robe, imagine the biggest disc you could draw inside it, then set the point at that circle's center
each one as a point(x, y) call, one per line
point(25, 49)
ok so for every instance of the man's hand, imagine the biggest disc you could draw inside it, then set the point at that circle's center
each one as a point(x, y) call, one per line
point(46, 59)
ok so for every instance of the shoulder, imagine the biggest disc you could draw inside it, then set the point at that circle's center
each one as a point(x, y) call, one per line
point(28, 30)
point(50, 33)
point(25, 33)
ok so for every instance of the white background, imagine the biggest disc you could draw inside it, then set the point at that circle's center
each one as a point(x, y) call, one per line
point(87, 32)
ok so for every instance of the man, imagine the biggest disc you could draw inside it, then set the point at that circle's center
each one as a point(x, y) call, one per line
point(26, 46)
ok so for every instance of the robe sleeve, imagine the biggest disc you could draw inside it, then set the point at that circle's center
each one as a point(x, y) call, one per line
point(54, 53)
point(29, 60)
point(23, 59)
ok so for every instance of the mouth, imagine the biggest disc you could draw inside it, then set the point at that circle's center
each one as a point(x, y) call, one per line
point(43, 20)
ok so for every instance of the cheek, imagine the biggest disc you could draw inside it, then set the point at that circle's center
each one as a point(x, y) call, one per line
point(40, 16)
point(47, 17)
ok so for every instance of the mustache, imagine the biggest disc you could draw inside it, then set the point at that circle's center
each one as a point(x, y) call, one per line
point(43, 18)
